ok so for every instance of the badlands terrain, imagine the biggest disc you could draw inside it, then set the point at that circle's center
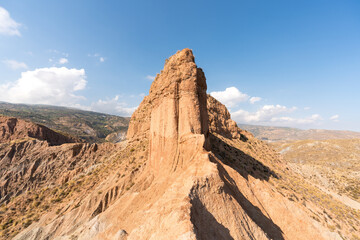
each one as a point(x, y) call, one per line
point(185, 171)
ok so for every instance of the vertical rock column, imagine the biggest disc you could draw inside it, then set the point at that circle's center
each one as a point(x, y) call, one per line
point(179, 120)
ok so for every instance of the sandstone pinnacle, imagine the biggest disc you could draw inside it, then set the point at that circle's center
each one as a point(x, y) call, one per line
point(177, 106)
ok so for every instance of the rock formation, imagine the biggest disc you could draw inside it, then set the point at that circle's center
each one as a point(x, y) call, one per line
point(187, 172)
point(13, 128)
point(178, 114)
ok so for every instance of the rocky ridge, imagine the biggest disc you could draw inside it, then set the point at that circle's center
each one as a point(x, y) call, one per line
point(14, 129)
point(89, 126)
point(186, 172)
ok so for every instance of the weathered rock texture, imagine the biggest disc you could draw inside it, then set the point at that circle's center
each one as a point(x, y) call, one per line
point(220, 121)
point(178, 115)
point(13, 128)
point(28, 165)
point(188, 172)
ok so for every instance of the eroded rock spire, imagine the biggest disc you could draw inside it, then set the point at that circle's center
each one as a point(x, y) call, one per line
point(176, 105)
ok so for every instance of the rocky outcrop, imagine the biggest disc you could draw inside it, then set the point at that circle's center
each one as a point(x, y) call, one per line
point(13, 129)
point(200, 173)
point(191, 174)
point(221, 123)
point(116, 137)
point(178, 114)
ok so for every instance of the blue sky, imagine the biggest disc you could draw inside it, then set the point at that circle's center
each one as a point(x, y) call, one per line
point(284, 63)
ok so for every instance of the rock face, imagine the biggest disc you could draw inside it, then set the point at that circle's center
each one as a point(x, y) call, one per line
point(220, 121)
point(188, 173)
point(13, 128)
point(178, 113)
point(116, 137)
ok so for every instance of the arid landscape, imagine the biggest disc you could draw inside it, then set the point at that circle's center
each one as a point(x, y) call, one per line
point(179, 120)
point(184, 171)
point(332, 165)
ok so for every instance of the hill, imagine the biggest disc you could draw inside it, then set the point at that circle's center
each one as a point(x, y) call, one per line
point(86, 125)
point(16, 129)
point(270, 133)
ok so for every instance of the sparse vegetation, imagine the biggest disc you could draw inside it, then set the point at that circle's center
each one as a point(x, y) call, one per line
point(25, 209)
point(332, 164)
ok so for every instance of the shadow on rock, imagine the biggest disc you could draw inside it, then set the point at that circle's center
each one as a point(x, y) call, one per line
point(205, 224)
point(272, 230)
point(240, 161)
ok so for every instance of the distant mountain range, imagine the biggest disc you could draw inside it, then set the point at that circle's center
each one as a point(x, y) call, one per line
point(87, 125)
point(273, 134)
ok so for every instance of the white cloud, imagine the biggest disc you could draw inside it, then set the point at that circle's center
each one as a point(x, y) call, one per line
point(63, 60)
point(58, 86)
point(268, 114)
point(7, 25)
point(53, 86)
point(112, 106)
point(335, 118)
point(15, 64)
point(273, 115)
point(308, 120)
point(254, 99)
point(264, 114)
point(230, 97)
point(101, 59)
point(149, 77)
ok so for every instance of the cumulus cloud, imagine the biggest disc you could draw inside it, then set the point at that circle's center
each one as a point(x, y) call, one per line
point(254, 99)
point(307, 120)
point(112, 106)
point(335, 118)
point(101, 59)
point(149, 77)
point(230, 97)
point(15, 64)
point(59, 86)
point(63, 60)
point(8, 26)
point(274, 115)
point(53, 86)
point(264, 114)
